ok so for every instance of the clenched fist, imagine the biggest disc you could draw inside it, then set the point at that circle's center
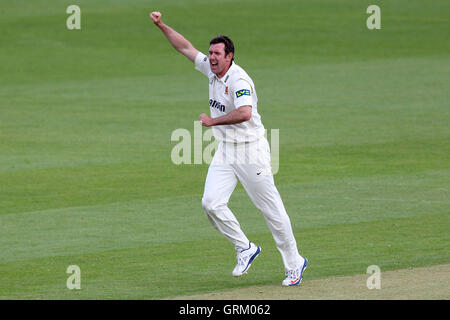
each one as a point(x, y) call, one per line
point(206, 120)
point(156, 17)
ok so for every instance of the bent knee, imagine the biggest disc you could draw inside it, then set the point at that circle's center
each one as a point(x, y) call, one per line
point(207, 204)
point(210, 205)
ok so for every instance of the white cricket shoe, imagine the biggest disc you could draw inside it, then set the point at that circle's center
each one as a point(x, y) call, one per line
point(294, 277)
point(245, 259)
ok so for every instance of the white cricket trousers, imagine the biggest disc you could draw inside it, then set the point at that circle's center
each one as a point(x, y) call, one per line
point(248, 163)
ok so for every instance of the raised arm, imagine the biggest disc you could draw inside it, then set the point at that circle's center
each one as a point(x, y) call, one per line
point(176, 40)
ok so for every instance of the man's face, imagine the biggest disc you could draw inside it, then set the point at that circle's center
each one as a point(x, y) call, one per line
point(219, 63)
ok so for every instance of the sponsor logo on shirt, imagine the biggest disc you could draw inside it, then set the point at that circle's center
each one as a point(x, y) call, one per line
point(217, 105)
point(242, 92)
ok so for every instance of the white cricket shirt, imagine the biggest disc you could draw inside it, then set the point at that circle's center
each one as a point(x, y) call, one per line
point(233, 90)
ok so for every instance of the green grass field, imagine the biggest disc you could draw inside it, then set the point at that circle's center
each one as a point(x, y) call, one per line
point(86, 118)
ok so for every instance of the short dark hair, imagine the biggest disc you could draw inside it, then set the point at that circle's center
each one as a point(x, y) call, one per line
point(229, 45)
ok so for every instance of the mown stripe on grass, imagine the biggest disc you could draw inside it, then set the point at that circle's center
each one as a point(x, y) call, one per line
point(192, 267)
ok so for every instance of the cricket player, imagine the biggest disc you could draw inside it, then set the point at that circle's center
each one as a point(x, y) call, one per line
point(243, 154)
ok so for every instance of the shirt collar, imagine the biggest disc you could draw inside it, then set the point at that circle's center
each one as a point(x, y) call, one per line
point(226, 76)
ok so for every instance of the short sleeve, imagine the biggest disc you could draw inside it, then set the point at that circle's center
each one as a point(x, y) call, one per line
point(202, 64)
point(243, 93)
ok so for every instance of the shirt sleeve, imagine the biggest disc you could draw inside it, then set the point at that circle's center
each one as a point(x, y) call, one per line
point(243, 93)
point(202, 64)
